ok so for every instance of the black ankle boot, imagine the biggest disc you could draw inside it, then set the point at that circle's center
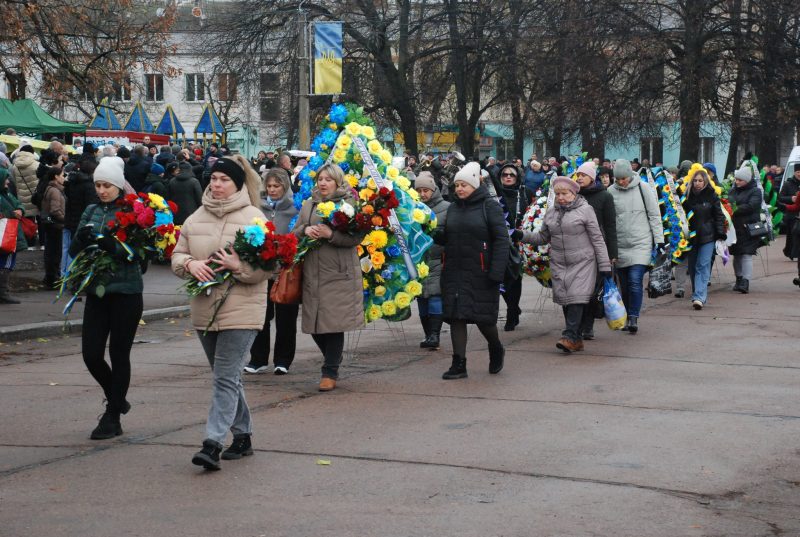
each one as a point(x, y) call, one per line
point(497, 354)
point(240, 447)
point(208, 457)
point(425, 320)
point(108, 427)
point(744, 288)
point(434, 329)
point(738, 285)
point(633, 324)
point(458, 369)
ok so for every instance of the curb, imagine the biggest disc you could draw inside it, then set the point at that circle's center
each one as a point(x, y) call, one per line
point(73, 326)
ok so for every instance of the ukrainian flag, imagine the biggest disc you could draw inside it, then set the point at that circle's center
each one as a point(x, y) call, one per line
point(327, 57)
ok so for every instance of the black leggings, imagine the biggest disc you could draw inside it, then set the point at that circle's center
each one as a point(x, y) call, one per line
point(458, 336)
point(117, 316)
point(332, 346)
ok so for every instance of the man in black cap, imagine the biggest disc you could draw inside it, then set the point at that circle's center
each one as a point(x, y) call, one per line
point(789, 190)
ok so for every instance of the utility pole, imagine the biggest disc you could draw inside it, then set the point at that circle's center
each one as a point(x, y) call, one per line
point(303, 128)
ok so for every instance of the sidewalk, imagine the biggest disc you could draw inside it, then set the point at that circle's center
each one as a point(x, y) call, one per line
point(38, 316)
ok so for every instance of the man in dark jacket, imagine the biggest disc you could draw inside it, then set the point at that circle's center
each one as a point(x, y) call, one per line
point(165, 156)
point(184, 189)
point(789, 190)
point(137, 168)
point(603, 204)
point(156, 183)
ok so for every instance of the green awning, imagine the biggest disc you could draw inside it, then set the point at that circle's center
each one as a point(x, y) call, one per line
point(24, 115)
point(498, 130)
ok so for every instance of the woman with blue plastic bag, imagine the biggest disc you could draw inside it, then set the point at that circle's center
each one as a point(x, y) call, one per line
point(577, 253)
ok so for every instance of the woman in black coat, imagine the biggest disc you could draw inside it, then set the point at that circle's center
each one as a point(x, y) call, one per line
point(708, 223)
point(476, 245)
point(80, 192)
point(516, 203)
point(746, 197)
point(602, 202)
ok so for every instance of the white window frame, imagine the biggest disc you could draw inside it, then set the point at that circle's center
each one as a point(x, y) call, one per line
point(199, 89)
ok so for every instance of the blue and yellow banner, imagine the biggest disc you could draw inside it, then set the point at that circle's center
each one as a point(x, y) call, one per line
point(327, 57)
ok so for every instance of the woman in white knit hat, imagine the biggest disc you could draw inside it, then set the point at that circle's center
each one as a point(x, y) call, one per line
point(113, 305)
point(746, 197)
point(476, 243)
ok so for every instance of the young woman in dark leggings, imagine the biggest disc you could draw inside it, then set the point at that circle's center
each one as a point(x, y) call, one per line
point(113, 316)
point(476, 245)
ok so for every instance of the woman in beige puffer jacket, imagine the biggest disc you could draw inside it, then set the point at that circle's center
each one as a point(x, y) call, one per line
point(229, 204)
point(23, 173)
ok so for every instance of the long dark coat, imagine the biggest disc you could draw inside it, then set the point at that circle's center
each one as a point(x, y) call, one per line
point(476, 247)
point(332, 285)
point(747, 201)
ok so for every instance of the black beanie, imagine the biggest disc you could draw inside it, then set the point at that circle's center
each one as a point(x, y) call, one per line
point(230, 168)
point(27, 148)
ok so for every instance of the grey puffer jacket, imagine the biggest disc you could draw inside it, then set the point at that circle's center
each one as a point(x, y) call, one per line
point(432, 286)
point(577, 250)
point(638, 222)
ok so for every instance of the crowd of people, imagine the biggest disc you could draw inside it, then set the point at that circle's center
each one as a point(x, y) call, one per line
point(604, 222)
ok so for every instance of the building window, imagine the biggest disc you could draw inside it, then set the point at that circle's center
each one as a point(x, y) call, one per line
point(227, 87)
point(194, 87)
point(154, 87)
point(539, 149)
point(706, 150)
point(83, 95)
point(122, 89)
point(270, 97)
point(652, 149)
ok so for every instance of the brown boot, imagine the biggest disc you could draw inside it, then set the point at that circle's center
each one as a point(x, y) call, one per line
point(569, 346)
point(326, 384)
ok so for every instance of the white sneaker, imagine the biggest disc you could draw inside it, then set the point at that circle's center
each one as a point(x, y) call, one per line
point(696, 304)
point(250, 368)
point(280, 370)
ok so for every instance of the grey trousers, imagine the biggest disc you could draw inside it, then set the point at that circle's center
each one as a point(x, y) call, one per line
point(743, 266)
point(681, 276)
point(227, 352)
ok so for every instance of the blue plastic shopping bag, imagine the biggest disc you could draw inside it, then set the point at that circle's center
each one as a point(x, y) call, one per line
point(616, 316)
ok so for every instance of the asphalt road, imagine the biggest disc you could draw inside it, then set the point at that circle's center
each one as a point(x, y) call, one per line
point(691, 428)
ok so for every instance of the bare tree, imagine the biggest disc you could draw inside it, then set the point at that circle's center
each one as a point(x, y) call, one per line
point(82, 45)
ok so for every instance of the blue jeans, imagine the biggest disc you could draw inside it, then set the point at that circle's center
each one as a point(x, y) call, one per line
point(429, 306)
point(227, 352)
point(700, 269)
point(66, 238)
point(631, 288)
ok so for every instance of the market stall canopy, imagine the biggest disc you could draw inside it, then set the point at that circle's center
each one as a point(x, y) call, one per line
point(170, 124)
point(138, 120)
point(13, 142)
point(209, 123)
point(24, 115)
point(104, 119)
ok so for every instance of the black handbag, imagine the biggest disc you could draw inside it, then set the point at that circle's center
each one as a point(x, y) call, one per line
point(756, 230)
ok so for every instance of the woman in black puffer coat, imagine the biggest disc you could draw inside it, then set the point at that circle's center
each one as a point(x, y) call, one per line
point(746, 199)
point(80, 192)
point(476, 243)
point(516, 203)
point(708, 223)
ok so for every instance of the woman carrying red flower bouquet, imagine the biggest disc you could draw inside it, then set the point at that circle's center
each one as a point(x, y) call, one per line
point(332, 287)
point(113, 304)
point(227, 316)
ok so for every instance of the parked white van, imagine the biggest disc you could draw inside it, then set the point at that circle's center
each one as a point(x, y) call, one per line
point(788, 170)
